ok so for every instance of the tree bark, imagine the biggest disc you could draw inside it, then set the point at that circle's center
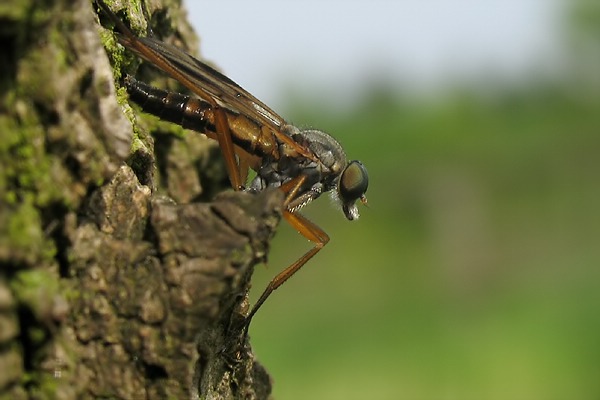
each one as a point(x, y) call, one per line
point(116, 281)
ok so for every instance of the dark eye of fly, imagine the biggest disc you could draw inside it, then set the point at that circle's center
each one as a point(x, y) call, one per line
point(354, 181)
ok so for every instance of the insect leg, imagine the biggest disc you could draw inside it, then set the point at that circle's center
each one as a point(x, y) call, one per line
point(223, 133)
point(307, 229)
point(310, 231)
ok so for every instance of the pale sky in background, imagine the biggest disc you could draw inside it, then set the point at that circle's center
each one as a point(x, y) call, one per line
point(335, 46)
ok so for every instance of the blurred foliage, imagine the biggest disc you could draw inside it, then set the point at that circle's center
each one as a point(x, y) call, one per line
point(584, 43)
point(585, 19)
point(473, 273)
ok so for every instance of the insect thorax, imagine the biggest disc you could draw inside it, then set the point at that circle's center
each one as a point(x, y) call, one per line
point(321, 175)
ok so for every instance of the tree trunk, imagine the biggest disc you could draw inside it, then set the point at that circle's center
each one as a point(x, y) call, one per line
point(115, 280)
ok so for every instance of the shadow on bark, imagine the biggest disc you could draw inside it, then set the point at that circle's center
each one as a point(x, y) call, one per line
point(114, 281)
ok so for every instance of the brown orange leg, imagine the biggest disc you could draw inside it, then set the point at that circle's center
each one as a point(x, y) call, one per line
point(223, 133)
point(291, 188)
point(307, 229)
point(310, 231)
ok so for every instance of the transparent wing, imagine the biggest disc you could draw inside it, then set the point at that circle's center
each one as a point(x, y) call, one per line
point(225, 91)
point(207, 83)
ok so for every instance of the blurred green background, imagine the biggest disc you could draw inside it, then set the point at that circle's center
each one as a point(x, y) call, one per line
point(474, 272)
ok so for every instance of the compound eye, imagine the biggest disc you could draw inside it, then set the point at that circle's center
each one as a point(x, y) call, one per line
point(353, 182)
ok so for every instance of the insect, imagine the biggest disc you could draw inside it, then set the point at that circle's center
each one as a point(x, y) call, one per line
point(304, 164)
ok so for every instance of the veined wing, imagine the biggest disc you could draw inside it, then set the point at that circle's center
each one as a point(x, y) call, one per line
point(222, 89)
point(207, 83)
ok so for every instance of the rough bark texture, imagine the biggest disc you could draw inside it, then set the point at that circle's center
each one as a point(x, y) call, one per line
point(115, 280)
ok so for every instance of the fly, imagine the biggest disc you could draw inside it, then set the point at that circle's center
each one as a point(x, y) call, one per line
point(303, 163)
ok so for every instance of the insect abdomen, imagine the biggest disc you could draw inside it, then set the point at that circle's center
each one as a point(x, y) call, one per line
point(198, 115)
point(169, 106)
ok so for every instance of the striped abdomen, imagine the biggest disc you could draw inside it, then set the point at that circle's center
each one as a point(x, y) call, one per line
point(198, 115)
